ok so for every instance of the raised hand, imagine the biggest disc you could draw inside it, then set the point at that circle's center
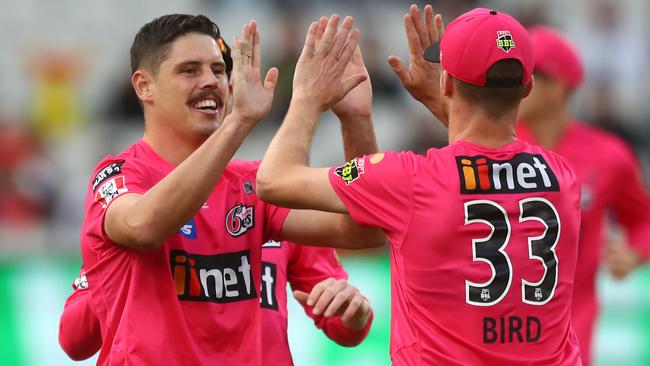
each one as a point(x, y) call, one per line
point(421, 78)
point(333, 297)
point(251, 98)
point(319, 76)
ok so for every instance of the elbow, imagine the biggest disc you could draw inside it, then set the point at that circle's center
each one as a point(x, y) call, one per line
point(266, 187)
point(145, 238)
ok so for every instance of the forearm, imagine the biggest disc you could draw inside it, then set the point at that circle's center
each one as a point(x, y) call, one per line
point(278, 177)
point(358, 136)
point(148, 221)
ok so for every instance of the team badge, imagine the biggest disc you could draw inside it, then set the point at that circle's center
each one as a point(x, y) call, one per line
point(109, 190)
point(239, 219)
point(248, 187)
point(350, 171)
point(107, 172)
point(505, 41)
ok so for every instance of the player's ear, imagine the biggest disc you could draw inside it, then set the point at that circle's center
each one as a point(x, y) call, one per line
point(447, 83)
point(141, 81)
point(529, 86)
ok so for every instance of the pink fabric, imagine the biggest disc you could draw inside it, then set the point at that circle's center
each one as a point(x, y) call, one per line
point(474, 41)
point(417, 200)
point(193, 301)
point(555, 56)
point(302, 267)
point(611, 182)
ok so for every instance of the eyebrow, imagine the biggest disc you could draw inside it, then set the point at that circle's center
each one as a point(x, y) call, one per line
point(187, 63)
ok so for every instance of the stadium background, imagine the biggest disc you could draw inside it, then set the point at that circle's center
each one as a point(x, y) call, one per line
point(65, 101)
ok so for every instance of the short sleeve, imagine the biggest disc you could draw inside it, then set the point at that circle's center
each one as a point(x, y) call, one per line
point(377, 189)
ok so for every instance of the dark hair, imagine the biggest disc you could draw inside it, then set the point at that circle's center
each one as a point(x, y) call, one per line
point(151, 43)
point(502, 92)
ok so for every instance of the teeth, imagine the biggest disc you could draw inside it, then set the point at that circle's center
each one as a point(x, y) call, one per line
point(208, 103)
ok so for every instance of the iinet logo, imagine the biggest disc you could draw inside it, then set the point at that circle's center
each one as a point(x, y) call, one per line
point(217, 278)
point(523, 173)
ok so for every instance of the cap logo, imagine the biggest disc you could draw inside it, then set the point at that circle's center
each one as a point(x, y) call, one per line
point(505, 41)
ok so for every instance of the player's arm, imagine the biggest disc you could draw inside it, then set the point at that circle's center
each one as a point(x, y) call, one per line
point(421, 78)
point(145, 221)
point(80, 334)
point(316, 276)
point(631, 206)
point(284, 177)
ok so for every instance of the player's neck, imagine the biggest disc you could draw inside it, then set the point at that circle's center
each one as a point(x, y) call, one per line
point(465, 124)
point(168, 144)
point(549, 128)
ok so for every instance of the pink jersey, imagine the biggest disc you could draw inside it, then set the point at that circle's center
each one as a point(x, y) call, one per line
point(303, 267)
point(611, 181)
point(193, 301)
point(483, 251)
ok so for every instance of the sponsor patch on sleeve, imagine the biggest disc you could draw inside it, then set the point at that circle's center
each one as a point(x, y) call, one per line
point(109, 190)
point(351, 170)
point(107, 172)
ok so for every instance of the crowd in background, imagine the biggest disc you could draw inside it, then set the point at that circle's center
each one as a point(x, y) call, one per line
point(66, 98)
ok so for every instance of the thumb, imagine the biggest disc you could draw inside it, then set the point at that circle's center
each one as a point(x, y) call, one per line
point(271, 79)
point(400, 69)
point(352, 81)
point(301, 297)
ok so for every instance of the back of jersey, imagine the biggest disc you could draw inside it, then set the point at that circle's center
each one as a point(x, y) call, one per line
point(483, 251)
point(490, 277)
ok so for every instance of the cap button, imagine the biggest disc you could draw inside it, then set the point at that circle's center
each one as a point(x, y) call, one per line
point(493, 12)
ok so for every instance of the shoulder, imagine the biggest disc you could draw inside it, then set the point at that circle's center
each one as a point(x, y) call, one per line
point(600, 140)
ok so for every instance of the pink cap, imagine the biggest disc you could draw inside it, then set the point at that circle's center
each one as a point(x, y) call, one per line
point(474, 41)
point(555, 56)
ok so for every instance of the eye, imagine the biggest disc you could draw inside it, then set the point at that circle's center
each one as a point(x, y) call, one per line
point(218, 71)
point(189, 71)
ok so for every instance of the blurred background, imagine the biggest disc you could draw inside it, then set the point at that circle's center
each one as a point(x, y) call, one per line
point(66, 101)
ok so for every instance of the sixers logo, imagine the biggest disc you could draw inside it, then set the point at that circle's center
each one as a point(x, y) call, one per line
point(239, 219)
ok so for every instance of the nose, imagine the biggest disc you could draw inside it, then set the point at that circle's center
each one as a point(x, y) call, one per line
point(208, 79)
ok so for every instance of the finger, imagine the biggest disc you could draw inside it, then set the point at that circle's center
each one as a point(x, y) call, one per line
point(257, 55)
point(412, 37)
point(326, 297)
point(337, 302)
point(357, 57)
point(401, 70)
point(419, 27)
point(236, 53)
point(429, 23)
point(301, 297)
point(271, 79)
point(347, 52)
point(245, 48)
point(440, 26)
point(342, 38)
point(310, 41)
point(352, 81)
point(328, 36)
point(355, 304)
point(318, 290)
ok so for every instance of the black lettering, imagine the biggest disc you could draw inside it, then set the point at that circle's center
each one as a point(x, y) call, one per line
point(515, 324)
point(529, 335)
point(489, 330)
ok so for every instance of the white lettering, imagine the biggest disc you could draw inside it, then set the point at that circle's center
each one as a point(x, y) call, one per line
point(245, 270)
point(496, 177)
point(267, 278)
point(218, 281)
point(542, 168)
point(524, 170)
point(230, 278)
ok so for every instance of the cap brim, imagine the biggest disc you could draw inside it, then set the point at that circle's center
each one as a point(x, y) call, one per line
point(432, 53)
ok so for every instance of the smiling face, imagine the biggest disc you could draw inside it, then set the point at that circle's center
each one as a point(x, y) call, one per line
point(190, 90)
